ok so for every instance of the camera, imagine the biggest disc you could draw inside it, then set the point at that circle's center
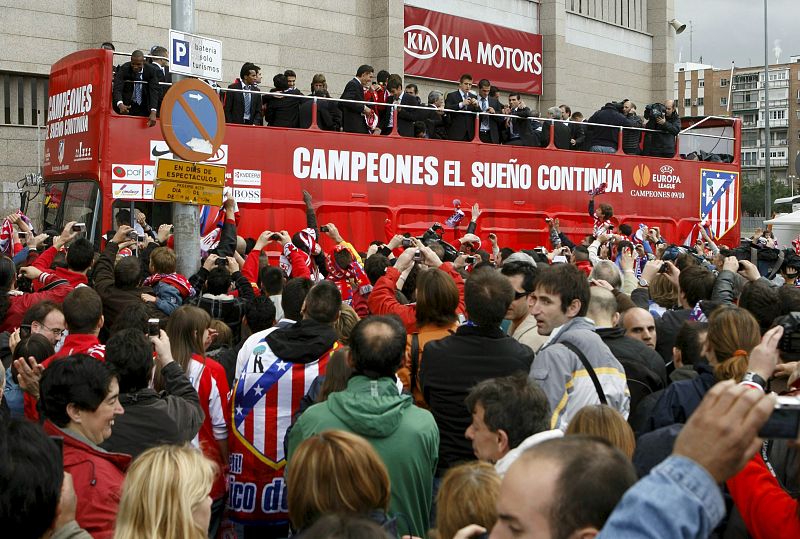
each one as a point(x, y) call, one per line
point(784, 420)
point(664, 268)
point(275, 237)
point(22, 235)
point(469, 259)
point(140, 239)
point(153, 328)
point(323, 228)
point(79, 227)
point(132, 235)
point(790, 340)
point(418, 256)
point(222, 262)
point(407, 242)
point(655, 111)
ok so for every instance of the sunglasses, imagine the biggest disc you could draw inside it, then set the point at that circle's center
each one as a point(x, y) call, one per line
point(518, 295)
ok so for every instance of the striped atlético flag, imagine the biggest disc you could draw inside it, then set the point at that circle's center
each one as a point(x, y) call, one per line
point(719, 200)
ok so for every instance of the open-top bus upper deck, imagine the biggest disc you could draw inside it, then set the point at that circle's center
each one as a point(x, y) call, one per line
point(96, 160)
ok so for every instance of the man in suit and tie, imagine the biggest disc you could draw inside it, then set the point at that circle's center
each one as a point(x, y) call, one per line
point(462, 126)
point(353, 114)
point(489, 126)
point(521, 130)
point(244, 107)
point(436, 119)
point(160, 60)
point(135, 89)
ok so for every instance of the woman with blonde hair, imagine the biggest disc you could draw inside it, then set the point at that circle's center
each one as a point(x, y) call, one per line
point(732, 334)
point(467, 496)
point(166, 495)
point(336, 472)
point(190, 333)
point(604, 422)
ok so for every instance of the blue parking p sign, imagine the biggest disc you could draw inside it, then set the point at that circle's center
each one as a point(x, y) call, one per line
point(180, 52)
point(195, 56)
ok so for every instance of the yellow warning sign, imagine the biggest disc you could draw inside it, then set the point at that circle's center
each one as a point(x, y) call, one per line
point(189, 193)
point(194, 173)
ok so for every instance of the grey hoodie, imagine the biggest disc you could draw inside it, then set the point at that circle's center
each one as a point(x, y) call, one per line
point(560, 373)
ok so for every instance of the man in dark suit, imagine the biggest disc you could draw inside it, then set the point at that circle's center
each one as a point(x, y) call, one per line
point(160, 60)
point(135, 88)
point(407, 117)
point(291, 80)
point(521, 130)
point(282, 110)
point(490, 125)
point(329, 116)
point(353, 113)
point(577, 133)
point(561, 134)
point(244, 107)
point(462, 125)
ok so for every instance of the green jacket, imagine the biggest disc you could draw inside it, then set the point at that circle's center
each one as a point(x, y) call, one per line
point(405, 437)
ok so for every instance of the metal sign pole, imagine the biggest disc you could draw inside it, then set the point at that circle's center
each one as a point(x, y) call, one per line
point(185, 217)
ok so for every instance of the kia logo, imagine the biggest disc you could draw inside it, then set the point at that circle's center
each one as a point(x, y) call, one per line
point(420, 42)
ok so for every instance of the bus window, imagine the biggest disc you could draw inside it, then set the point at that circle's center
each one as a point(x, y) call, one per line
point(72, 201)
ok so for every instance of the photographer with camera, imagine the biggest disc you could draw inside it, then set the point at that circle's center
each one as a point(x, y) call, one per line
point(604, 139)
point(664, 119)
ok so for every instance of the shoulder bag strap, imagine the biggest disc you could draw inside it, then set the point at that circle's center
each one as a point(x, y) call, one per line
point(589, 369)
point(414, 362)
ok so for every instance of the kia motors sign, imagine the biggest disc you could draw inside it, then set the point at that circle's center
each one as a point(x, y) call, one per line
point(443, 47)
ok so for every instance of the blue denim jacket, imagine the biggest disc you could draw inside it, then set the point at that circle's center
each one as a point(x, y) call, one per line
point(678, 499)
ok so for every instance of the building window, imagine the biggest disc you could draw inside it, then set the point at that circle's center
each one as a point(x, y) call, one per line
point(688, 84)
point(699, 101)
point(687, 102)
point(723, 102)
point(701, 83)
point(724, 82)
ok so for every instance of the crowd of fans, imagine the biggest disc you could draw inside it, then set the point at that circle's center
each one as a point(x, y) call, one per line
point(366, 106)
point(612, 385)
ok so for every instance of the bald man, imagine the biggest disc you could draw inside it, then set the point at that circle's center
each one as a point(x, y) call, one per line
point(668, 124)
point(639, 324)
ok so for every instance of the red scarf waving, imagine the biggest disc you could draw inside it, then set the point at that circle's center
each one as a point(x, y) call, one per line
point(349, 279)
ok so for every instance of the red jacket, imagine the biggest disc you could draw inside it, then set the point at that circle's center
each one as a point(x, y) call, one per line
point(767, 510)
point(382, 299)
point(73, 344)
point(97, 476)
point(43, 263)
point(20, 304)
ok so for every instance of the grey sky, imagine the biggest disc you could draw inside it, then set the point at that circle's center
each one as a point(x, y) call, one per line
point(726, 30)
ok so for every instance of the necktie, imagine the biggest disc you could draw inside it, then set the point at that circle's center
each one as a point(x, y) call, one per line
point(247, 98)
point(137, 90)
point(485, 120)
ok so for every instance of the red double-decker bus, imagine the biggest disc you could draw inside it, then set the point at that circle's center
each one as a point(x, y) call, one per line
point(96, 161)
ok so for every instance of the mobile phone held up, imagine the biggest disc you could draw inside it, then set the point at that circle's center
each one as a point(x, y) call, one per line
point(153, 328)
point(784, 421)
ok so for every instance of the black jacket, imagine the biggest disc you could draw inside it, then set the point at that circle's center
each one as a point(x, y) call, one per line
point(462, 125)
point(578, 134)
point(524, 128)
point(644, 368)
point(436, 125)
point(407, 117)
point(229, 309)
point(606, 136)
point(329, 116)
point(450, 367)
point(282, 111)
point(303, 342)
point(631, 138)
point(681, 399)
point(234, 105)
point(122, 89)
point(352, 113)
point(662, 143)
point(560, 134)
point(173, 416)
point(494, 122)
